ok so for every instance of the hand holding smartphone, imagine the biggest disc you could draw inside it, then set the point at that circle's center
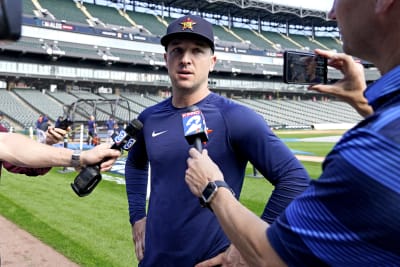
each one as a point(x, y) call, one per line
point(65, 124)
point(304, 68)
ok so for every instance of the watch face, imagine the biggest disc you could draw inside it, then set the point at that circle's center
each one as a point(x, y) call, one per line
point(209, 192)
point(75, 159)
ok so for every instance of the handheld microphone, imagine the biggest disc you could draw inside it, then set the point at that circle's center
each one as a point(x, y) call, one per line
point(90, 176)
point(194, 127)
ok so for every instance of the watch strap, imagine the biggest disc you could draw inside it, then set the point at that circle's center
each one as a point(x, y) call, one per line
point(221, 183)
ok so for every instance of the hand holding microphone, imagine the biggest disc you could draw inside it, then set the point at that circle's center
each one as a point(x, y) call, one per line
point(90, 176)
point(195, 130)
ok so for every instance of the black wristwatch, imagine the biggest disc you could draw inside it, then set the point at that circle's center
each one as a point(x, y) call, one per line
point(76, 158)
point(210, 191)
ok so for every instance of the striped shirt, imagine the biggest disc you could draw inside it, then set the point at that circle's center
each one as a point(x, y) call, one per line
point(350, 215)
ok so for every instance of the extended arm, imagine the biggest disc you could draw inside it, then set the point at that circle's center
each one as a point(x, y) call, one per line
point(19, 150)
point(53, 136)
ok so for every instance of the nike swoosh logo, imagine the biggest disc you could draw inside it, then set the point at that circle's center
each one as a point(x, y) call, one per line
point(155, 134)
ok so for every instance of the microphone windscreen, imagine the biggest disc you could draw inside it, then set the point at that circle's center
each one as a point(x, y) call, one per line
point(126, 138)
point(194, 125)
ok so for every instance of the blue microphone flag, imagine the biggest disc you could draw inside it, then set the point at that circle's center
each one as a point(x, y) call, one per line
point(194, 125)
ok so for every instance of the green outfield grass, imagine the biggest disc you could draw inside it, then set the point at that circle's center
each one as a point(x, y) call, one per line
point(94, 230)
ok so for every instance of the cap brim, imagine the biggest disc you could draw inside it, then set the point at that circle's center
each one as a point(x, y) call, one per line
point(166, 39)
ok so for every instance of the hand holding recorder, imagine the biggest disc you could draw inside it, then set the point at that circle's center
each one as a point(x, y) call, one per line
point(90, 176)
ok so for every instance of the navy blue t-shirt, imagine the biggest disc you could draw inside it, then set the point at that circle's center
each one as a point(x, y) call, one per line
point(178, 231)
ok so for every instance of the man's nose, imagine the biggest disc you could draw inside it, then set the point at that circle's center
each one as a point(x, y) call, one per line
point(332, 12)
point(186, 58)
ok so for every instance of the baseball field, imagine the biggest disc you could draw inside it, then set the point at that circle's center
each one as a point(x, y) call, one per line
point(94, 230)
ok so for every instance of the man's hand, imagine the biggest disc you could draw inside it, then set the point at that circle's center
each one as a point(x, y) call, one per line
point(230, 258)
point(201, 170)
point(351, 88)
point(54, 135)
point(138, 236)
point(98, 154)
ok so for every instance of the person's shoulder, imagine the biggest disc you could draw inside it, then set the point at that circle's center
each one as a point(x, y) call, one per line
point(229, 106)
point(163, 106)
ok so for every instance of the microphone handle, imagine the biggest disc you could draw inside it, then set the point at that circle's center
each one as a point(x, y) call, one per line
point(197, 144)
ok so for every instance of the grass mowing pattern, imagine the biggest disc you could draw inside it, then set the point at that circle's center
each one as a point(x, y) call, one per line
point(94, 230)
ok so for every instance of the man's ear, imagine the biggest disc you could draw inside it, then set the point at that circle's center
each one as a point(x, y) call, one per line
point(213, 62)
point(382, 6)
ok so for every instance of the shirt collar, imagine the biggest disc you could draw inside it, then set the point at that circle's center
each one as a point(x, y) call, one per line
point(387, 84)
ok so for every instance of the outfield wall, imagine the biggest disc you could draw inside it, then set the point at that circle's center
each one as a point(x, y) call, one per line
point(333, 126)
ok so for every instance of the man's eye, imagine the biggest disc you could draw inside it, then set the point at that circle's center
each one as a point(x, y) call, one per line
point(176, 50)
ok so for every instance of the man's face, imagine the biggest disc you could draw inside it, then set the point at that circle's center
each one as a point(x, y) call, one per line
point(189, 63)
point(311, 66)
point(355, 24)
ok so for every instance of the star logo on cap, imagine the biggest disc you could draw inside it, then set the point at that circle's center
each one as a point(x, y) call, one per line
point(188, 23)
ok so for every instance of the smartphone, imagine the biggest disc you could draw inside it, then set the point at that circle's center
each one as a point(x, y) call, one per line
point(304, 68)
point(64, 124)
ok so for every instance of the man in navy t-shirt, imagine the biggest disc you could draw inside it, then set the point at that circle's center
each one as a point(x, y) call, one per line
point(175, 230)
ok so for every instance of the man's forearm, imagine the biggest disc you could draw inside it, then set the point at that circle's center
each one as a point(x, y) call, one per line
point(22, 151)
point(245, 230)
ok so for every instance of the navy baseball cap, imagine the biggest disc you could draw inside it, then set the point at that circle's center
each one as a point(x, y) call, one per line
point(190, 26)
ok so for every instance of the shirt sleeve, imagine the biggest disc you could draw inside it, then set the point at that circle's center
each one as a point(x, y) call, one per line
point(136, 178)
point(24, 170)
point(347, 214)
point(270, 156)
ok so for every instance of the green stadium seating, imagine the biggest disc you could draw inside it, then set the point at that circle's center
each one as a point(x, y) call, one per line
point(64, 10)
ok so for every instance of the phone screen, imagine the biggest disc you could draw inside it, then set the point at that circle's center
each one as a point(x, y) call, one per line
point(304, 68)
